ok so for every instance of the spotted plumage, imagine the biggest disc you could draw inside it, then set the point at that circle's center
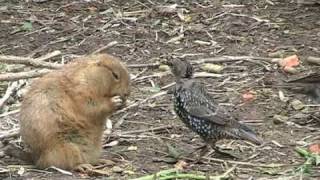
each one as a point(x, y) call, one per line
point(202, 114)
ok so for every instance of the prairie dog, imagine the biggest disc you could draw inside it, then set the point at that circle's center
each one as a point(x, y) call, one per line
point(63, 113)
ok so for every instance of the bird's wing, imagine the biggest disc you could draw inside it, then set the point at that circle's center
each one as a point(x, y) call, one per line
point(202, 112)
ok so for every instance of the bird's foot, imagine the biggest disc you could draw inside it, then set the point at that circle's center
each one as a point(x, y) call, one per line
point(106, 162)
point(224, 153)
point(204, 151)
point(102, 163)
point(201, 148)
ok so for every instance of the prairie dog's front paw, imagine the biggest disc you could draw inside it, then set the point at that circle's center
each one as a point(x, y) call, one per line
point(117, 101)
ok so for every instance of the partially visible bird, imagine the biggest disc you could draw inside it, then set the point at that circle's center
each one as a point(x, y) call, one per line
point(308, 83)
point(199, 112)
point(181, 69)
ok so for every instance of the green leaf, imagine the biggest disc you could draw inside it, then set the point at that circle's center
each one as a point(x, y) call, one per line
point(317, 159)
point(173, 152)
point(27, 26)
point(155, 89)
point(303, 152)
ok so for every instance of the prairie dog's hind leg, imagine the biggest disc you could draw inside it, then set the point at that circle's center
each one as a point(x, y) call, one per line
point(65, 156)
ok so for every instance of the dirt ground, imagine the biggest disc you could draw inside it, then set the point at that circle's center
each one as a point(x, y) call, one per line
point(146, 32)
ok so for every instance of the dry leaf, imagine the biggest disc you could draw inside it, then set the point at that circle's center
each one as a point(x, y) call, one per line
point(21, 171)
point(314, 148)
point(163, 67)
point(183, 17)
point(290, 61)
point(117, 169)
point(213, 68)
point(277, 119)
point(248, 96)
point(181, 165)
point(297, 104)
point(92, 9)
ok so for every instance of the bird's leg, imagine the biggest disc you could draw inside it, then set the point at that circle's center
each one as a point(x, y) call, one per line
point(205, 150)
point(198, 148)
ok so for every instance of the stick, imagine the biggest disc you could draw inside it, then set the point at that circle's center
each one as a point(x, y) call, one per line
point(23, 75)
point(9, 113)
point(231, 58)
point(10, 90)
point(150, 65)
point(313, 60)
point(175, 174)
point(10, 133)
point(146, 130)
point(140, 102)
point(37, 62)
point(247, 163)
point(109, 45)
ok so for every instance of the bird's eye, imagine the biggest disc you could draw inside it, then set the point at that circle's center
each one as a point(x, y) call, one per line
point(115, 75)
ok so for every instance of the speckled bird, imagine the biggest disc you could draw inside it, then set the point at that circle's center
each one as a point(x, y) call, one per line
point(309, 84)
point(198, 110)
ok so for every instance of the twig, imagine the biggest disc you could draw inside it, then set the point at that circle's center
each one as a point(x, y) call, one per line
point(150, 65)
point(10, 133)
point(61, 170)
point(141, 102)
point(109, 45)
point(313, 60)
point(9, 113)
point(206, 75)
point(247, 163)
point(231, 58)
point(175, 174)
point(23, 75)
point(10, 90)
point(37, 62)
point(213, 59)
point(147, 130)
point(138, 74)
point(152, 76)
point(248, 16)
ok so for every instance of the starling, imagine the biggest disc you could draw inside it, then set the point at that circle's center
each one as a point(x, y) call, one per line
point(308, 84)
point(200, 113)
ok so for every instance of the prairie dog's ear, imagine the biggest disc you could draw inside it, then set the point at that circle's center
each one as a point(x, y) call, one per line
point(115, 74)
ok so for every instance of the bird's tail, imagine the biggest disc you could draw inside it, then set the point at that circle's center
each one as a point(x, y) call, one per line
point(246, 133)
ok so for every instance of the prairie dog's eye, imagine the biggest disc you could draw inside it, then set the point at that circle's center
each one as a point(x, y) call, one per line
point(115, 75)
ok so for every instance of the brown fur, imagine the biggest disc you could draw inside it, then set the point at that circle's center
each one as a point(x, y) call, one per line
point(63, 114)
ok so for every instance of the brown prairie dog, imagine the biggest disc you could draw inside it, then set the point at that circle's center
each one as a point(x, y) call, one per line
point(63, 113)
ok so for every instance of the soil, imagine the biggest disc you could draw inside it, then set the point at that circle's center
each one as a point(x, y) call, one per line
point(151, 31)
